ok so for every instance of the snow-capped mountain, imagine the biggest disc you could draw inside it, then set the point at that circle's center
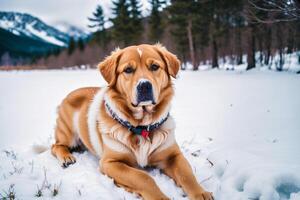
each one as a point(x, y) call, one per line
point(21, 24)
point(72, 30)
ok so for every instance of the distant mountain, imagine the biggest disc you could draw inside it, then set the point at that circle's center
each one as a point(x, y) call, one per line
point(23, 36)
point(72, 30)
point(22, 46)
point(27, 25)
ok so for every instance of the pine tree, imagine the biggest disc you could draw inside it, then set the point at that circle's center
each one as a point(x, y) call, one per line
point(182, 18)
point(121, 31)
point(98, 19)
point(127, 22)
point(100, 36)
point(215, 15)
point(251, 36)
point(80, 44)
point(71, 46)
point(251, 63)
point(57, 51)
point(135, 14)
point(155, 20)
point(201, 30)
point(220, 17)
point(239, 24)
point(297, 39)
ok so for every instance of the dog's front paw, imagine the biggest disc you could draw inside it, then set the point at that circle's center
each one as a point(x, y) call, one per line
point(68, 160)
point(204, 196)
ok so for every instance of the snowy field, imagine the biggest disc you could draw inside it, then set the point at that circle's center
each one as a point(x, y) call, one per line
point(240, 132)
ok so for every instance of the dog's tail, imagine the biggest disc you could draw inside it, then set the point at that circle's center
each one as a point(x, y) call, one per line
point(38, 148)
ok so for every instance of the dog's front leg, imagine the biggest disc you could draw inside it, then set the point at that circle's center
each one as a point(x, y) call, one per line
point(177, 167)
point(132, 179)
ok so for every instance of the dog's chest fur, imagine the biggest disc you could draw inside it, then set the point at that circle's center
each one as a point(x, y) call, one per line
point(118, 138)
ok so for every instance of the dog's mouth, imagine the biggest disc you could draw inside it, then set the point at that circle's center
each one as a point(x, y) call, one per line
point(145, 108)
point(144, 104)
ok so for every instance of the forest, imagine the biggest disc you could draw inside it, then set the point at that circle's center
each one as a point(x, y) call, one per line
point(199, 32)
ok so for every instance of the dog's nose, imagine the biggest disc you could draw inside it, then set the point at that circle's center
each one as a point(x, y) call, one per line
point(144, 92)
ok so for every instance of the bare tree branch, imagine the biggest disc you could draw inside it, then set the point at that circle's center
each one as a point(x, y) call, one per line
point(281, 11)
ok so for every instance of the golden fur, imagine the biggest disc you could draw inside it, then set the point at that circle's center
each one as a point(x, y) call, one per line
point(83, 119)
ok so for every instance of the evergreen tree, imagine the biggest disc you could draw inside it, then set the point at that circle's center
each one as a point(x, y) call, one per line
point(56, 51)
point(201, 30)
point(290, 39)
point(127, 22)
point(98, 19)
point(80, 44)
point(121, 31)
point(239, 24)
point(251, 63)
point(155, 20)
point(182, 19)
point(100, 36)
point(215, 12)
point(71, 46)
point(202, 24)
point(251, 34)
point(297, 38)
point(135, 14)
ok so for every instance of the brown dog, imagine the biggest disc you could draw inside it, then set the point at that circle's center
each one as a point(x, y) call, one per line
point(127, 123)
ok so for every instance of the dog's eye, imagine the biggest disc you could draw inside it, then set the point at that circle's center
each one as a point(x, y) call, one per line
point(154, 67)
point(129, 70)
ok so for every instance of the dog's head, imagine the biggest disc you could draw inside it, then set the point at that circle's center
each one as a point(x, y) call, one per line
point(141, 74)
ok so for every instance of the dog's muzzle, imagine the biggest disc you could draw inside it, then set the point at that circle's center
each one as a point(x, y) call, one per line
point(144, 92)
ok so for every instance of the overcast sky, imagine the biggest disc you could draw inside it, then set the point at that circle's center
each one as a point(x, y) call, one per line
point(74, 12)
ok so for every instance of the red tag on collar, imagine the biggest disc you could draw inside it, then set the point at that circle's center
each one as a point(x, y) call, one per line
point(145, 133)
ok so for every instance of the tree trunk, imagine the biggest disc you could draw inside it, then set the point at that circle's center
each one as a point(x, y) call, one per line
point(214, 53)
point(191, 44)
point(214, 45)
point(281, 60)
point(251, 48)
point(280, 47)
point(260, 47)
point(290, 40)
point(239, 47)
point(267, 56)
point(267, 39)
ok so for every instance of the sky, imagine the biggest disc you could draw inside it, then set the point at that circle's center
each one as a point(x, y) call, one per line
point(53, 12)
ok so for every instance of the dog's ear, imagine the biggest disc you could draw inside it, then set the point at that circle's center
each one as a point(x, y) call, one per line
point(108, 67)
point(170, 60)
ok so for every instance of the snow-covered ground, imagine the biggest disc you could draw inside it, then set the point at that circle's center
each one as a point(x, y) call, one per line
point(240, 132)
point(291, 63)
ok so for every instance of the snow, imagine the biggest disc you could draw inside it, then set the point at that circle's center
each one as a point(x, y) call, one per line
point(239, 130)
point(291, 63)
point(6, 24)
point(71, 30)
point(43, 35)
point(9, 25)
